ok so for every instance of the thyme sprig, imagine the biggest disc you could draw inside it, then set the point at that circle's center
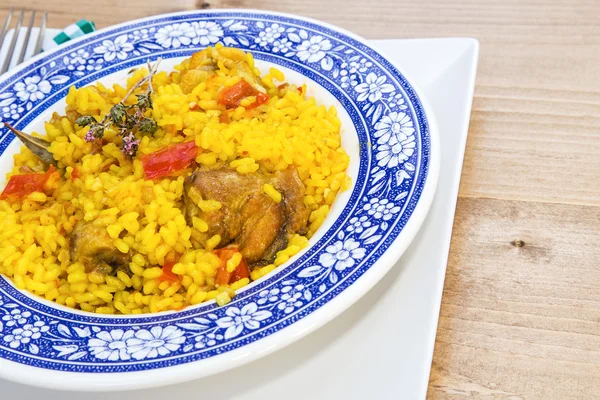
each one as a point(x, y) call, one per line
point(127, 119)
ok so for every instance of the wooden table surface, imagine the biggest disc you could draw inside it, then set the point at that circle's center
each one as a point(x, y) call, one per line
point(520, 317)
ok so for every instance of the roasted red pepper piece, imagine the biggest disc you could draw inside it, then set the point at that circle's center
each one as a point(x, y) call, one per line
point(232, 96)
point(170, 160)
point(75, 174)
point(225, 277)
point(23, 185)
point(167, 272)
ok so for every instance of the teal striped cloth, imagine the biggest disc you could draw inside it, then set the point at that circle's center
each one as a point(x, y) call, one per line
point(79, 28)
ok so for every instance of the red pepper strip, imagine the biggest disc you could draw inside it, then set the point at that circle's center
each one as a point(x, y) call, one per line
point(232, 96)
point(23, 185)
point(167, 161)
point(168, 274)
point(242, 271)
point(75, 174)
point(225, 277)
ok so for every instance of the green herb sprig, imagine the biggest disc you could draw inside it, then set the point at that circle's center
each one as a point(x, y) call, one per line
point(126, 118)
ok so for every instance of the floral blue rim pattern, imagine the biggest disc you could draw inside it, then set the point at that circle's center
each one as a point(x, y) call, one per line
point(394, 161)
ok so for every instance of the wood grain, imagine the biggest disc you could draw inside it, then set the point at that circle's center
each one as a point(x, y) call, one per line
point(521, 310)
point(516, 322)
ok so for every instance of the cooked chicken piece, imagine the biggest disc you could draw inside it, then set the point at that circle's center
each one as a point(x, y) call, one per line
point(248, 217)
point(288, 182)
point(91, 246)
point(205, 63)
point(71, 115)
point(192, 77)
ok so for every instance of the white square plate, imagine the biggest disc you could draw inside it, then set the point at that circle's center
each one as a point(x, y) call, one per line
point(383, 345)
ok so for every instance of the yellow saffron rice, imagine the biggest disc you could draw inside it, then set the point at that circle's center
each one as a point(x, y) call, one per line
point(98, 184)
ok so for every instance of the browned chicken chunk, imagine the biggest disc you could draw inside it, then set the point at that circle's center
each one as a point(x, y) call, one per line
point(91, 246)
point(248, 217)
point(205, 63)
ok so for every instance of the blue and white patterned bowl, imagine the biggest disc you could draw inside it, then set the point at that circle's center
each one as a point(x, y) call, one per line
point(387, 131)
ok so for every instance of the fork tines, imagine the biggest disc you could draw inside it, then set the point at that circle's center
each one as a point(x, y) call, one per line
point(19, 53)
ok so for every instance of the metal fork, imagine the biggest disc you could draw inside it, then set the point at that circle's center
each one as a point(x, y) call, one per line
point(38, 146)
point(13, 42)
